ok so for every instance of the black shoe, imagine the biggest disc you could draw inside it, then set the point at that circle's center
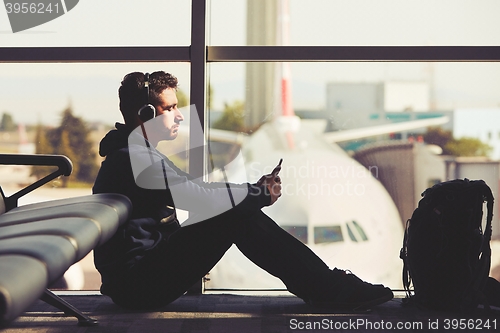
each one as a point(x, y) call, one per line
point(492, 292)
point(352, 293)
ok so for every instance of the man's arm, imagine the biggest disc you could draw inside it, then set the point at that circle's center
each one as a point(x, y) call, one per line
point(199, 181)
point(205, 199)
point(270, 182)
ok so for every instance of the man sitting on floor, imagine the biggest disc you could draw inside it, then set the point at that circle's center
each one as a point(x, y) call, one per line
point(148, 263)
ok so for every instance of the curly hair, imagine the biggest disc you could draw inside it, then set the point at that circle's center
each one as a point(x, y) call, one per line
point(132, 95)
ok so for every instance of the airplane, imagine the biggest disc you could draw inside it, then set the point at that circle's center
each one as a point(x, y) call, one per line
point(329, 201)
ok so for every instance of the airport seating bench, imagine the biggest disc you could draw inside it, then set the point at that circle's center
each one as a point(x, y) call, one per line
point(40, 241)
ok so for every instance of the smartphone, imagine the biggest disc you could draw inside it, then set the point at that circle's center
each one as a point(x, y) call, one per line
point(277, 169)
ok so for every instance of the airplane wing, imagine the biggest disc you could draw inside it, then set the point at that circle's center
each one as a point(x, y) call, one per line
point(358, 133)
point(226, 136)
point(343, 135)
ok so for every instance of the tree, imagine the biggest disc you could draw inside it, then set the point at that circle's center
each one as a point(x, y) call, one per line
point(439, 137)
point(210, 98)
point(64, 148)
point(182, 99)
point(466, 146)
point(7, 123)
point(232, 117)
point(72, 138)
point(42, 146)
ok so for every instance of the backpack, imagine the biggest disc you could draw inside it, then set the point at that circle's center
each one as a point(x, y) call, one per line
point(446, 253)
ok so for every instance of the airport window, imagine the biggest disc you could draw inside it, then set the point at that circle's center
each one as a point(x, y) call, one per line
point(330, 234)
point(360, 233)
point(350, 233)
point(360, 23)
point(297, 231)
point(90, 89)
point(111, 23)
point(216, 74)
point(360, 230)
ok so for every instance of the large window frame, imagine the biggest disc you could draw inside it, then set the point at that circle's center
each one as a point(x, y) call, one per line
point(199, 54)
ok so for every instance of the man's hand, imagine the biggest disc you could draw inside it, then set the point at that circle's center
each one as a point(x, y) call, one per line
point(273, 184)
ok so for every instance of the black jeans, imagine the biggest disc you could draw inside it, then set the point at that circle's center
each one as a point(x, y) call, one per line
point(171, 268)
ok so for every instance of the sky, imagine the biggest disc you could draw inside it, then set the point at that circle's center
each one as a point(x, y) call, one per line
point(39, 92)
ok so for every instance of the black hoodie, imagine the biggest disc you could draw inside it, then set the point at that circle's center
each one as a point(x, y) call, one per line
point(155, 185)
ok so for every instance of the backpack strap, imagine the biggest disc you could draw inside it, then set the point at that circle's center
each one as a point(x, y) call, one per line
point(403, 256)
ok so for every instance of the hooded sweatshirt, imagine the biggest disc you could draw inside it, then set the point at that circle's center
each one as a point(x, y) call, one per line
point(155, 187)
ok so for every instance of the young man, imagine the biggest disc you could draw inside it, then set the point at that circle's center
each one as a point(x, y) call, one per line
point(148, 264)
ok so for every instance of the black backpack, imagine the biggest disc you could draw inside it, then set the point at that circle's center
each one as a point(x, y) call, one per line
point(446, 253)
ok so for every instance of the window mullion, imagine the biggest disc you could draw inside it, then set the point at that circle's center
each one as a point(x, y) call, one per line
point(353, 53)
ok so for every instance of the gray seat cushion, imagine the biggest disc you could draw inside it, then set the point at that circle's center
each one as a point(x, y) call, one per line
point(119, 203)
point(107, 211)
point(23, 280)
point(56, 252)
point(83, 233)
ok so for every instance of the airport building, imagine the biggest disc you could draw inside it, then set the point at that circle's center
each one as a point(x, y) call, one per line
point(355, 105)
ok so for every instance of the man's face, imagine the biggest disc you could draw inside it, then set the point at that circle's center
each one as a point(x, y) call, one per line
point(169, 114)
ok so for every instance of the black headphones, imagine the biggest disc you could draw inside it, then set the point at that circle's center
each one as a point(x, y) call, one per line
point(147, 111)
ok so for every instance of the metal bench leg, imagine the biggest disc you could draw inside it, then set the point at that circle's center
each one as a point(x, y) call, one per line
point(50, 298)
